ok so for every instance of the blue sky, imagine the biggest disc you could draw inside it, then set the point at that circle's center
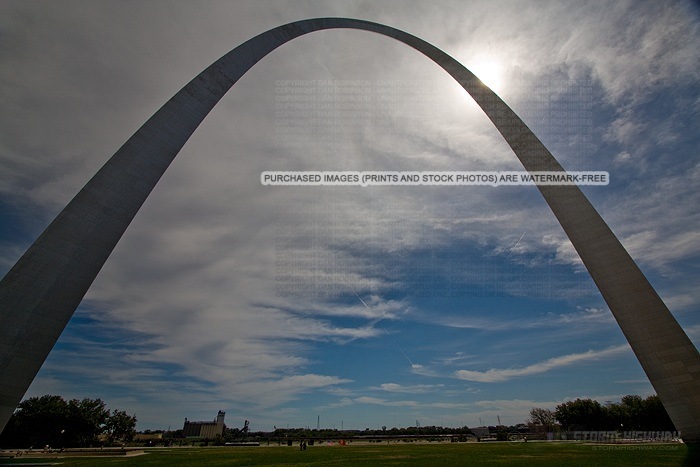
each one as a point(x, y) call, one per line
point(364, 306)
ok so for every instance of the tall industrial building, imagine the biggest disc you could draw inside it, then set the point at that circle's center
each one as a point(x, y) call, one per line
point(205, 429)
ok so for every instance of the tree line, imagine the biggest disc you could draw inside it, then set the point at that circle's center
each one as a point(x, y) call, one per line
point(632, 413)
point(53, 421)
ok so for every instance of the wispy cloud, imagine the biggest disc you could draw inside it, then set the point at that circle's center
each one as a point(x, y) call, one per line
point(416, 389)
point(422, 370)
point(409, 403)
point(500, 375)
point(379, 401)
point(582, 316)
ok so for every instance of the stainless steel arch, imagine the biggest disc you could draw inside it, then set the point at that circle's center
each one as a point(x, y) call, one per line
point(40, 293)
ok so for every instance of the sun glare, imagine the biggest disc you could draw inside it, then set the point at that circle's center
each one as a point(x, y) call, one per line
point(489, 72)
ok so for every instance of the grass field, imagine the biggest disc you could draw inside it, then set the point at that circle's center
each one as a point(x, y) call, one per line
point(527, 454)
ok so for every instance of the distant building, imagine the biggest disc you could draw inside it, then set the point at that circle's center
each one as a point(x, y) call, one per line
point(205, 429)
point(481, 431)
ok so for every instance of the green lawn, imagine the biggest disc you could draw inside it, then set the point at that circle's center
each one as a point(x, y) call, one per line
point(533, 453)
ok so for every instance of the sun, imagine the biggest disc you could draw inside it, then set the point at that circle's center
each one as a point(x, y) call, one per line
point(490, 72)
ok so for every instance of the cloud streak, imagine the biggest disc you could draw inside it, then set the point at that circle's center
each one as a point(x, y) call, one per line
point(500, 375)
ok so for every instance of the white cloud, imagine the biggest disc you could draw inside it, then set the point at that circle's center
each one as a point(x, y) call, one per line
point(379, 401)
point(576, 321)
point(418, 369)
point(415, 389)
point(500, 375)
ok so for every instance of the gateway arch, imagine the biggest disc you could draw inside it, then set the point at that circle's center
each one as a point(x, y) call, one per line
point(40, 293)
